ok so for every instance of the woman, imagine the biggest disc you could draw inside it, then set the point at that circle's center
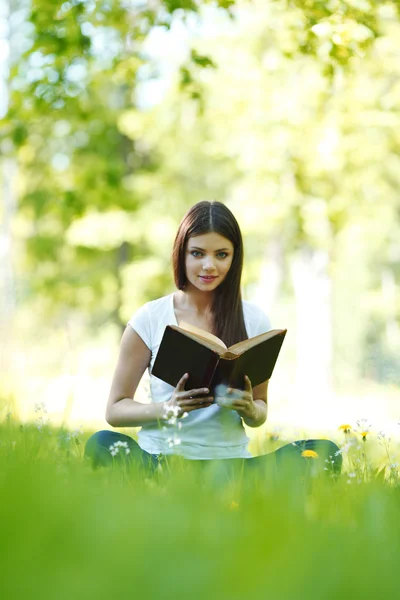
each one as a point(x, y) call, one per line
point(207, 262)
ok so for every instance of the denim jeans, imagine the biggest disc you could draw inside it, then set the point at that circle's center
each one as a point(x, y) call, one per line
point(288, 458)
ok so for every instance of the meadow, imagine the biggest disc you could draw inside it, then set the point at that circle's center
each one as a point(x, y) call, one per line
point(71, 531)
point(118, 116)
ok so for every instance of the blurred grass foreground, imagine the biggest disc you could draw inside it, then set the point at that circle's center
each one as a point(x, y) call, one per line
point(69, 531)
point(117, 117)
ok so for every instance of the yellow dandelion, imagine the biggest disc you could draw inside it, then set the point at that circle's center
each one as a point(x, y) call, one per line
point(346, 428)
point(309, 454)
point(364, 435)
point(234, 505)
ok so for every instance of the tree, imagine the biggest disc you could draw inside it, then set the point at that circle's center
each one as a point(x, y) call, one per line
point(274, 115)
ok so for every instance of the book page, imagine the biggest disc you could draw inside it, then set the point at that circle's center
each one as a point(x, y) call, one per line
point(241, 347)
point(202, 333)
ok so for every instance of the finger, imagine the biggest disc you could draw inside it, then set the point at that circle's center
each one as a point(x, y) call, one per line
point(197, 406)
point(202, 405)
point(196, 392)
point(234, 392)
point(196, 401)
point(247, 384)
point(181, 383)
point(239, 405)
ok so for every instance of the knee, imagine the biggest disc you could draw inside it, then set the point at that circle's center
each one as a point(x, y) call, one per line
point(327, 451)
point(100, 438)
point(329, 447)
point(97, 447)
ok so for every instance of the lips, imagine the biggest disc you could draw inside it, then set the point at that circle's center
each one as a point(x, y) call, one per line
point(207, 278)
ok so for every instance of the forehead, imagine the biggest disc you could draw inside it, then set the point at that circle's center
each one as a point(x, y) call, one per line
point(210, 241)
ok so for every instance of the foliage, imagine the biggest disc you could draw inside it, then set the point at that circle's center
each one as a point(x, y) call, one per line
point(290, 104)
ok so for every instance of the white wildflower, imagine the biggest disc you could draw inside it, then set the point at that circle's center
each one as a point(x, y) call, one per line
point(364, 425)
point(345, 448)
point(123, 444)
point(114, 449)
point(173, 442)
point(76, 432)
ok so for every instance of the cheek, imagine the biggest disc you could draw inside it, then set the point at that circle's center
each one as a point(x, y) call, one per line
point(228, 265)
point(190, 264)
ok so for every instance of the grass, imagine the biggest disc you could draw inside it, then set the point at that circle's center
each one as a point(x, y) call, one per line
point(69, 531)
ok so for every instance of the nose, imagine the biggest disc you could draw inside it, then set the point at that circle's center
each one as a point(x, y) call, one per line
point(208, 264)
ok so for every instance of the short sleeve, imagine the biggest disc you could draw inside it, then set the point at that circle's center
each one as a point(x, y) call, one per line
point(141, 323)
point(263, 323)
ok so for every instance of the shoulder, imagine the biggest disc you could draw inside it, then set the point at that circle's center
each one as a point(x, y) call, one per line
point(147, 317)
point(152, 307)
point(159, 304)
point(253, 310)
point(256, 318)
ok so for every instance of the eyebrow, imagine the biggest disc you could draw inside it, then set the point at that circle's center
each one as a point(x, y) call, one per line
point(198, 248)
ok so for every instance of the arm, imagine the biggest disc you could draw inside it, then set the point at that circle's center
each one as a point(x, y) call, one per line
point(122, 410)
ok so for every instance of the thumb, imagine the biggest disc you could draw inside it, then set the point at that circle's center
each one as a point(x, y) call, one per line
point(247, 384)
point(181, 383)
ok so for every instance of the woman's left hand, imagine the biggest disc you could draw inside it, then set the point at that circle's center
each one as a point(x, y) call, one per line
point(241, 400)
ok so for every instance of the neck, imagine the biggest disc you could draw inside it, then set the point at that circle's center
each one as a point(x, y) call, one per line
point(196, 300)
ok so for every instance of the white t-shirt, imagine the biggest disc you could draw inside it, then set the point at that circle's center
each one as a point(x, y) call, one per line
point(211, 432)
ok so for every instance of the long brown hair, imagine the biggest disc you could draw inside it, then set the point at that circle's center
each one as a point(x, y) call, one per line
point(227, 311)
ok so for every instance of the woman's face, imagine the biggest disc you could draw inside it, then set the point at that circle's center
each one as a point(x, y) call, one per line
point(208, 255)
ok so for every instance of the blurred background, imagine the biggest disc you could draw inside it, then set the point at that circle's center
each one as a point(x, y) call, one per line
point(118, 115)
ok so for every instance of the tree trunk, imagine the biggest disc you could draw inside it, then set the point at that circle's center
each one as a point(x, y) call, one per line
point(266, 291)
point(313, 289)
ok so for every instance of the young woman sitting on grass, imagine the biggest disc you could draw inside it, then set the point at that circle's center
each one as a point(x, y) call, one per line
point(207, 262)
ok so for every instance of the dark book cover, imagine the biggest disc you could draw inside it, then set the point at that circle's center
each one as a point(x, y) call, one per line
point(207, 367)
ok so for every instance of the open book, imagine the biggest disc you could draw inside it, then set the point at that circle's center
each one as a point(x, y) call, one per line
point(189, 349)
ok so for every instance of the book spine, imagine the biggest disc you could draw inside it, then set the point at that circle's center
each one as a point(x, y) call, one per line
point(210, 370)
point(223, 373)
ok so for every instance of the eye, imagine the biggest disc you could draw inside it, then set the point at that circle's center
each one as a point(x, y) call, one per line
point(195, 252)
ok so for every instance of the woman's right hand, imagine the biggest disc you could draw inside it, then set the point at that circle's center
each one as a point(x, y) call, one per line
point(184, 401)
